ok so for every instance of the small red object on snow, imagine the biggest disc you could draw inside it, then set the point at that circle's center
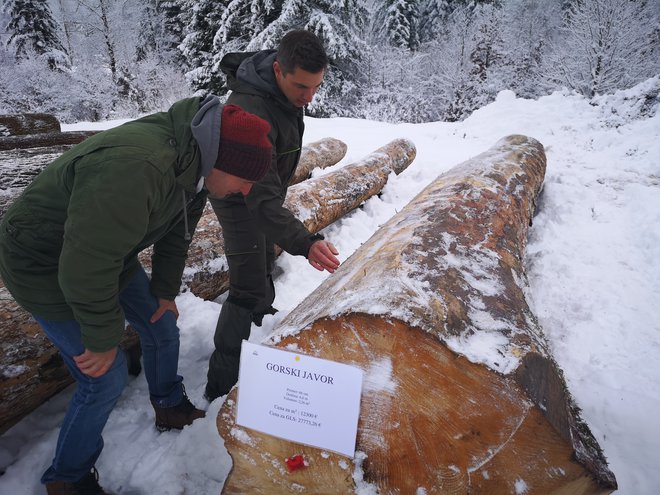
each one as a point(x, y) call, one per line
point(295, 462)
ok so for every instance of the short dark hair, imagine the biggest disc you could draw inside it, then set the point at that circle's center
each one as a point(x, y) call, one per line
point(302, 49)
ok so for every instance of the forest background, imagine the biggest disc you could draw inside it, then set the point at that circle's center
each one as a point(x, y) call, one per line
point(391, 60)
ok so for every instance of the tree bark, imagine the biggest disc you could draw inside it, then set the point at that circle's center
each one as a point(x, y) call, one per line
point(316, 202)
point(28, 123)
point(461, 393)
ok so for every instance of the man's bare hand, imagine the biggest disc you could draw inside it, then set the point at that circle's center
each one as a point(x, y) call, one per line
point(95, 364)
point(322, 256)
point(163, 306)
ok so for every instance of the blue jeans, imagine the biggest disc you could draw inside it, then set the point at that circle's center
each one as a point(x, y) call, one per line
point(80, 442)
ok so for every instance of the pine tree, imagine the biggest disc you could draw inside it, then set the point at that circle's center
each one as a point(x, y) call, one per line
point(34, 31)
point(197, 46)
point(432, 18)
point(160, 31)
point(401, 19)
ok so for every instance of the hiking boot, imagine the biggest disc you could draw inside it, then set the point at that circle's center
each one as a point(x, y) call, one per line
point(88, 485)
point(178, 416)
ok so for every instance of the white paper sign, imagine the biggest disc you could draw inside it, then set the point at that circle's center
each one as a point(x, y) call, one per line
point(299, 398)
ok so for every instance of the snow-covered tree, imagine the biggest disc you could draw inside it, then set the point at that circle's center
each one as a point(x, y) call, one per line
point(34, 31)
point(432, 18)
point(197, 47)
point(605, 45)
point(400, 21)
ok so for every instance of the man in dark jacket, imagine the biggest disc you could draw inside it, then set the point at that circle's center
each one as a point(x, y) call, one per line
point(68, 254)
point(274, 85)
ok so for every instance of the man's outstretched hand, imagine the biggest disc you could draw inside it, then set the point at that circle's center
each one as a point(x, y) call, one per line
point(323, 256)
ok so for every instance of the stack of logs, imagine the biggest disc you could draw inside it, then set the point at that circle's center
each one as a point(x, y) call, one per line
point(32, 370)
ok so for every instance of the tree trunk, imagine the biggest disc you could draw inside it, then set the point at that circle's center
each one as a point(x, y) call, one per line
point(28, 123)
point(461, 394)
point(323, 153)
point(316, 202)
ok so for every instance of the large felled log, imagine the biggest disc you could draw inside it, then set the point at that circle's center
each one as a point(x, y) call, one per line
point(319, 154)
point(31, 368)
point(316, 202)
point(28, 123)
point(461, 393)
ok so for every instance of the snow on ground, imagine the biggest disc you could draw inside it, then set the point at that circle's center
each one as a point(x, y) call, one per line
point(593, 266)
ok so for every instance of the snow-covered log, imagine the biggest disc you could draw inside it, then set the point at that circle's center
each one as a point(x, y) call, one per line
point(319, 154)
point(461, 393)
point(28, 123)
point(31, 368)
point(43, 139)
point(317, 202)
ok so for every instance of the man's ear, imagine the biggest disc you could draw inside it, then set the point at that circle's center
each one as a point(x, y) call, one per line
point(277, 69)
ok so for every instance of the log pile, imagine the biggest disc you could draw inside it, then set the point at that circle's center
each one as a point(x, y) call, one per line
point(461, 394)
point(31, 368)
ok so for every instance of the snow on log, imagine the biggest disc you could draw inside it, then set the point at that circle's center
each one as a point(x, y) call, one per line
point(31, 368)
point(319, 154)
point(317, 202)
point(461, 393)
point(28, 123)
point(44, 139)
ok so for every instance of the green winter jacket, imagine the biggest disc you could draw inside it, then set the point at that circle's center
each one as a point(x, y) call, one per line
point(69, 243)
point(252, 81)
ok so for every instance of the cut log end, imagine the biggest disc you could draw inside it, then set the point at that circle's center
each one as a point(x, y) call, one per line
point(429, 419)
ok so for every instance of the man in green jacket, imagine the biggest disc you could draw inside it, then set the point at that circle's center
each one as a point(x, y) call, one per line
point(68, 255)
point(274, 85)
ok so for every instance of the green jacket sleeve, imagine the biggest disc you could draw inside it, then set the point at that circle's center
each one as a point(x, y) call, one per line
point(106, 220)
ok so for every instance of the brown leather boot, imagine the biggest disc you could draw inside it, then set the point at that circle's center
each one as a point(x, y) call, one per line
point(178, 416)
point(88, 485)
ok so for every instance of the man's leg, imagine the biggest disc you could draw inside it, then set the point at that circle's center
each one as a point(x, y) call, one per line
point(250, 292)
point(80, 442)
point(160, 354)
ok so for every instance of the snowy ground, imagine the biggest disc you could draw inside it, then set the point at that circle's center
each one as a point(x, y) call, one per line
point(593, 267)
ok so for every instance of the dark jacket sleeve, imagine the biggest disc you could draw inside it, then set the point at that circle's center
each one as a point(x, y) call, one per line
point(276, 222)
point(170, 252)
point(266, 199)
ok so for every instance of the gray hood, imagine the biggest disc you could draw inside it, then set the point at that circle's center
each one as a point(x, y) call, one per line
point(257, 71)
point(205, 128)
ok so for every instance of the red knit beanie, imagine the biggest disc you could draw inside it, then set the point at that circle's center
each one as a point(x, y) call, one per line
point(245, 150)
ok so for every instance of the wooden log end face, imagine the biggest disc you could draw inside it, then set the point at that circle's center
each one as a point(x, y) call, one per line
point(429, 419)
